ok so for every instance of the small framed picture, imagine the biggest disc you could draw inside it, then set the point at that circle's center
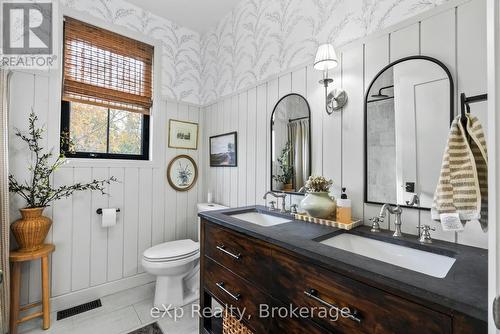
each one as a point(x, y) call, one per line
point(182, 134)
point(182, 173)
point(224, 150)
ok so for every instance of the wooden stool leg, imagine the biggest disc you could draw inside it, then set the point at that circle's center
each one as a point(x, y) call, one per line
point(15, 288)
point(45, 292)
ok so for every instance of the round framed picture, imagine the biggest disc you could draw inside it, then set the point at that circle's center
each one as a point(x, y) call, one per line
point(182, 173)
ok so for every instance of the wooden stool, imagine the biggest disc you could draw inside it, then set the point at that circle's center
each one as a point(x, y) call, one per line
point(16, 258)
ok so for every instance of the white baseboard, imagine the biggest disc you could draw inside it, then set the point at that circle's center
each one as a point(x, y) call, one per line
point(83, 296)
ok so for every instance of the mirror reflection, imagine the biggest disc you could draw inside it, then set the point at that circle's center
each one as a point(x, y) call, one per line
point(408, 111)
point(290, 144)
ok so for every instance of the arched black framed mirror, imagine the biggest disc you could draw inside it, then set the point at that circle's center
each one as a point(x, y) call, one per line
point(290, 144)
point(408, 109)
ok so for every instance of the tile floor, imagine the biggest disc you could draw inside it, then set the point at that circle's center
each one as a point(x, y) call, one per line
point(120, 313)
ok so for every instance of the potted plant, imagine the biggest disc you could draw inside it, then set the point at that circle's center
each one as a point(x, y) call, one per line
point(318, 203)
point(38, 192)
point(286, 175)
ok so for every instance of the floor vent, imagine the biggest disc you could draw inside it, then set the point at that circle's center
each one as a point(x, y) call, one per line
point(78, 309)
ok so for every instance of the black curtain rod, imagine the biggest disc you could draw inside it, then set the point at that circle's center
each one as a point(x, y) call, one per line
point(298, 119)
point(381, 99)
point(465, 101)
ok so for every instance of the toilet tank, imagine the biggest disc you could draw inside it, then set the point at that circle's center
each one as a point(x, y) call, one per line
point(207, 207)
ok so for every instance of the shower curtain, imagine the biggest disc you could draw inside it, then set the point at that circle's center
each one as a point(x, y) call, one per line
point(298, 135)
point(4, 202)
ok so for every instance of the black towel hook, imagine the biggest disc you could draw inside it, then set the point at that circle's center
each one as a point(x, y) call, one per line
point(465, 101)
point(465, 107)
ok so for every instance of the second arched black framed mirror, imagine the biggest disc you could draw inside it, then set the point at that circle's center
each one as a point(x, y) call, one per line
point(290, 144)
point(408, 109)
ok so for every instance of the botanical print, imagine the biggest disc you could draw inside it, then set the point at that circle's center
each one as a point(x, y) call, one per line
point(182, 173)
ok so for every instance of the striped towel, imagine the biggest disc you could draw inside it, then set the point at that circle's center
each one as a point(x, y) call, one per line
point(463, 183)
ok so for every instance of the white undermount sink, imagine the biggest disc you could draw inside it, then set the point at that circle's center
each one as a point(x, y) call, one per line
point(260, 218)
point(417, 260)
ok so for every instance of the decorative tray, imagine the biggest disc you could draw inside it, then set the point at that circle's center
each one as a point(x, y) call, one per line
point(329, 222)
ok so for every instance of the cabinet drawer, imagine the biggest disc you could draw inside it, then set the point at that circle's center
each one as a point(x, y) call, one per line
point(297, 326)
point(233, 291)
point(246, 257)
point(370, 310)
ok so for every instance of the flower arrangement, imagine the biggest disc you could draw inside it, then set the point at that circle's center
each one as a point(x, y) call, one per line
point(316, 184)
point(38, 191)
point(286, 175)
point(184, 174)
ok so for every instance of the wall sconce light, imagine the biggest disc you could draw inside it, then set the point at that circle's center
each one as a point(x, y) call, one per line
point(326, 59)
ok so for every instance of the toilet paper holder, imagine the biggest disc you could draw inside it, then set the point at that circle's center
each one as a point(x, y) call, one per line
point(99, 211)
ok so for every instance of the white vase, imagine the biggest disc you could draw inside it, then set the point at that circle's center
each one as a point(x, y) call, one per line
point(318, 205)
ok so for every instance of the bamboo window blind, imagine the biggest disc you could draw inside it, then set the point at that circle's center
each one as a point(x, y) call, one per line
point(106, 69)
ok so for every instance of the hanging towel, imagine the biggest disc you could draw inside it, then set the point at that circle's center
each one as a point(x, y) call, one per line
point(463, 184)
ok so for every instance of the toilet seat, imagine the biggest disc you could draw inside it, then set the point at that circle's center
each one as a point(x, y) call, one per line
point(172, 251)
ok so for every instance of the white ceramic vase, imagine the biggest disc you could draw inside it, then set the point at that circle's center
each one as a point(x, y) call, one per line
point(318, 205)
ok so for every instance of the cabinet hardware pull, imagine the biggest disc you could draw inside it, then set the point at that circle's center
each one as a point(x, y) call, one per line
point(346, 314)
point(222, 248)
point(234, 296)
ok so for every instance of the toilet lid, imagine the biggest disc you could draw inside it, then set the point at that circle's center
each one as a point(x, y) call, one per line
point(172, 250)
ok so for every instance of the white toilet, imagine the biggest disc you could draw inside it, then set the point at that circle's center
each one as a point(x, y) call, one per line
point(176, 267)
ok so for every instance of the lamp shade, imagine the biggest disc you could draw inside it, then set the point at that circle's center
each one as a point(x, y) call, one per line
point(326, 58)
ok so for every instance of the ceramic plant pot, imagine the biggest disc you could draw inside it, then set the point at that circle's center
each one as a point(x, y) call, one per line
point(318, 205)
point(30, 231)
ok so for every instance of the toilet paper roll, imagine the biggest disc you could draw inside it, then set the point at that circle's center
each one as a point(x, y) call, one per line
point(108, 217)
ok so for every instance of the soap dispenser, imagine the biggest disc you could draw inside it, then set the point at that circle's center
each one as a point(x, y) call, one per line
point(344, 209)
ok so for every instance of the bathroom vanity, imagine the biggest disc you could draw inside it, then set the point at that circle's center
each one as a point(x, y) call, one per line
point(252, 257)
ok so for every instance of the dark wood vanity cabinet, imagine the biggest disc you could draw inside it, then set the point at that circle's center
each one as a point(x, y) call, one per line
point(246, 257)
point(372, 310)
point(244, 272)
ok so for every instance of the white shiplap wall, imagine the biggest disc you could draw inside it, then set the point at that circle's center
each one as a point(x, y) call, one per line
point(454, 34)
point(91, 260)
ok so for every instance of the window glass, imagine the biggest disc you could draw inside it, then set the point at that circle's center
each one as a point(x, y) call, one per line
point(89, 130)
point(88, 127)
point(125, 131)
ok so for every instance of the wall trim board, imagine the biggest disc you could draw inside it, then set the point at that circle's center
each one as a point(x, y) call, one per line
point(393, 28)
point(162, 98)
point(82, 296)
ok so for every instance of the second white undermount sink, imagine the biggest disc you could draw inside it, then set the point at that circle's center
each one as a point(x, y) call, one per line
point(261, 218)
point(428, 263)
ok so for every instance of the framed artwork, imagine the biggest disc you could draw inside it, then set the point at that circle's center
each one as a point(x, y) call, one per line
point(182, 173)
point(224, 150)
point(182, 134)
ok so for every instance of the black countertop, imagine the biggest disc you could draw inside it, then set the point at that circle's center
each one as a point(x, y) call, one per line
point(464, 289)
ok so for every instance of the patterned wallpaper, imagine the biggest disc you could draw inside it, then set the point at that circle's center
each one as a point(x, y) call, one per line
point(180, 54)
point(260, 38)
